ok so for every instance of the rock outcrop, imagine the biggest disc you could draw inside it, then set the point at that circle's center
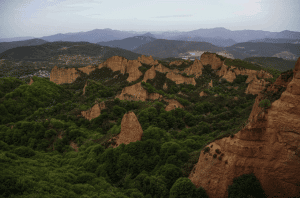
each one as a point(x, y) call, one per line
point(211, 59)
point(84, 88)
point(131, 130)
point(256, 86)
point(147, 60)
point(88, 69)
point(194, 69)
point(133, 70)
point(62, 75)
point(149, 74)
point(165, 87)
point(177, 62)
point(210, 84)
point(202, 93)
point(31, 81)
point(268, 147)
point(179, 79)
point(172, 104)
point(94, 112)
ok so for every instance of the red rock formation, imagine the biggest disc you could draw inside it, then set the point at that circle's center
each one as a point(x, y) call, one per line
point(210, 84)
point(172, 104)
point(147, 60)
point(202, 94)
point(266, 147)
point(62, 75)
point(134, 92)
point(31, 81)
point(131, 130)
point(229, 76)
point(88, 69)
point(177, 62)
point(256, 86)
point(194, 69)
point(211, 59)
point(162, 68)
point(179, 79)
point(133, 70)
point(149, 74)
point(94, 112)
point(84, 88)
point(165, 86)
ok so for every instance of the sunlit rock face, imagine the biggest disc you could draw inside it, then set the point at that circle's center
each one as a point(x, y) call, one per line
point(194, 69)
point(84, 88)
point(210, 84)
point(268, 146)
point(179, 79)
point(31, 81)
point(162, 68)
point(202, 94)
point(147, 60)
point(132, 69)
point(134, 92)
point(131, 130)
point(88, 69)
point(149, 74)
point(255, 86)
point(94, 112)
point(62, 75)
point(177, 62)
point(172, 104)
point(211, 59)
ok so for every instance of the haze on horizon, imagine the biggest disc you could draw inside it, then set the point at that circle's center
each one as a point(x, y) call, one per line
point(39, 18)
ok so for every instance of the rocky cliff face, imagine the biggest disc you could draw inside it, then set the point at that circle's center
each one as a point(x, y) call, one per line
point(131, 130)
point(94, 112)
point(268, 147)
point(149, 74)
point(211, 59)
point(194, 69)
point(176, 62)
point(202, 94)
point(210, 84)
point(255, 86)
point(172, 104)
point(84, 88)
point(62, 75)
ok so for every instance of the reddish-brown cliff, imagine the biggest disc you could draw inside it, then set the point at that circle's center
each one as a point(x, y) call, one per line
point(267, 147)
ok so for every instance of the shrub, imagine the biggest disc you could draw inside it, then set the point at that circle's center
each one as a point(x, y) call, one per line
point(183, 188)
point(50, 133)
point(218, 151)
point(244, 186)
point(4, 146)
point(265, 104)
point(215, 155)
point(206, 150)
point(24, 152)
point(220, 158)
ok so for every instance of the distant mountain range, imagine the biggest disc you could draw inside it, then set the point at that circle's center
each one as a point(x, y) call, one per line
point(237, 44)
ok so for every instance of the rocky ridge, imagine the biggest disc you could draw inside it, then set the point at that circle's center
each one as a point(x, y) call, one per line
point(269, 147)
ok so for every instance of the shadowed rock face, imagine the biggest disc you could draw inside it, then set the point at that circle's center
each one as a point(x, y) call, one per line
point(61, 75)
point(268, 146)
point(94, 112)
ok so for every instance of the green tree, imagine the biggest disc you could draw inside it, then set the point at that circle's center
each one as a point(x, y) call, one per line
point(245, 186)
point(265, 104)
point(183, 188)
point(171, 173)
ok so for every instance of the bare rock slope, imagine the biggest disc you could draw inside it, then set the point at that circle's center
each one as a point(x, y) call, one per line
point(269, 147)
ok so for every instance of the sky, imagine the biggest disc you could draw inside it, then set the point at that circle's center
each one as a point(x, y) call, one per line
point(37, 18)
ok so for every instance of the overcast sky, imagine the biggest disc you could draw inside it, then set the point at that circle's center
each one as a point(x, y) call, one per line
point(39, 18)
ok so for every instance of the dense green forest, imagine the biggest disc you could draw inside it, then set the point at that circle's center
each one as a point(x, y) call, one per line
point(36, 163)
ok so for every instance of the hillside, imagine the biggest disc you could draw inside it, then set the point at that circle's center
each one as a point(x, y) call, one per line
point(47, 51)
point(9, 45)
point(129, 128)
